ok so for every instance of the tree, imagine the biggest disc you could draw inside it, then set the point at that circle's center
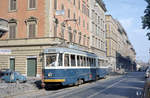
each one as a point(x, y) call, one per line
point(146, 19)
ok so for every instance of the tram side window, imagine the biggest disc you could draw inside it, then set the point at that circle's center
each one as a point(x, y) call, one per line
point(78, 60)
point(94, 62)
point(88, 61)
point(99, 63)
point(73, 62)
point(82, 61)
point(60, 59)
point(51, 60)
point(66, 60)
point(85, 61)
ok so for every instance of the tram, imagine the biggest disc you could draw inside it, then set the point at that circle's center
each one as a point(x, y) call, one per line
point(65, 66)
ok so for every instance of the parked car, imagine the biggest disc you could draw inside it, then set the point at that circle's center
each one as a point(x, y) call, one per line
point(12, 76)
point(147, 73)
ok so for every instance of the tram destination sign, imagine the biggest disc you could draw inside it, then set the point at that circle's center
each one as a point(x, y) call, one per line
point(5, 51)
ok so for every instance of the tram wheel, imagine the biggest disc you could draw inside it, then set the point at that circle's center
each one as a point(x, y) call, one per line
point(97, 77)
point(77, 83)
point(81, 81)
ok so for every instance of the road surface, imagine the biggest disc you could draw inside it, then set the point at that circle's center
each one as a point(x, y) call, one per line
point(127, 86)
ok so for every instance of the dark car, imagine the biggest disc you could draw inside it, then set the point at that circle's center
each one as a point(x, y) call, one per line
point(12, 76)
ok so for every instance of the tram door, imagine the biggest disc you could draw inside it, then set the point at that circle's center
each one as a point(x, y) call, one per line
point(31, 67)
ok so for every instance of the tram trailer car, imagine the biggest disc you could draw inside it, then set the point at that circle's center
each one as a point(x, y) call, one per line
point(64, 66)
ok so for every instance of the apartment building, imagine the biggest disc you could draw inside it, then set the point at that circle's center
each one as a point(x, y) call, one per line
point(97, 28)
point(120, 52)
point(111, 40)
point(34, 25)
point(125, 53)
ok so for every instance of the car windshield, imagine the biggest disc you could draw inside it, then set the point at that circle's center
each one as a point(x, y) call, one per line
point(51, 60)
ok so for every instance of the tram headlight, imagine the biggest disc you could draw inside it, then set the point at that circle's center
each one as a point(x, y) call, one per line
point(50, 74)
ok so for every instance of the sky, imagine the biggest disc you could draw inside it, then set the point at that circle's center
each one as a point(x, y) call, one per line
point(129, 13)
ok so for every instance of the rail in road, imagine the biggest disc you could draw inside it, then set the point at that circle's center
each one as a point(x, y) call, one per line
point(125, 86)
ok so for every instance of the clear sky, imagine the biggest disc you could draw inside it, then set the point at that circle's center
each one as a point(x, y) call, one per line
point(129, 13)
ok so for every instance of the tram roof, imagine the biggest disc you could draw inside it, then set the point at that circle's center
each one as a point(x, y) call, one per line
point(68, 50)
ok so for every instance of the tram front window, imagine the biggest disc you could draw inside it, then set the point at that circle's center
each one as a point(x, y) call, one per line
point(51, 60)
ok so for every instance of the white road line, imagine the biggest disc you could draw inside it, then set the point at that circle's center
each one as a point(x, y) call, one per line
point(106, 88)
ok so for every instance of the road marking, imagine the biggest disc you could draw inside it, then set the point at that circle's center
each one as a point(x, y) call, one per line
point(106, 88)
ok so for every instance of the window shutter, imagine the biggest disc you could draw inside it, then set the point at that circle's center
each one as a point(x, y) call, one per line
point(32, 30)
point(13, 4)
point(12, 32)
point(34, 3)
point(30, 3)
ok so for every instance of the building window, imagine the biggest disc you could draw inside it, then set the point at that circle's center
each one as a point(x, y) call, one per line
point(62, 30)
point(79, 20)
point(12, 30)
point(87, 26)
point(74, 16)
point(88, 39)
point(79, 4)
point(74, 35)
point(68, 13)
point(13, 5)
point(93, 40)
point(80, 36)
point(31, 4)
point(32, 27)
point(55, 30)
point(74, 2)
point(62, 7)
point(70, 34)
point(84, 23)
point(84, 40)
point(96, 42)
point(55, 4)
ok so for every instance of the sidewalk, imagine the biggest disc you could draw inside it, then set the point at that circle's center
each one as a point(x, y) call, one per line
point(11, 89)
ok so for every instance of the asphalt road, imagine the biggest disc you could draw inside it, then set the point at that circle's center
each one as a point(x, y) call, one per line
point(128, 86)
